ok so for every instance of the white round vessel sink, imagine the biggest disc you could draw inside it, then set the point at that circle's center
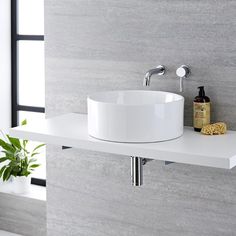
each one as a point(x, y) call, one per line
point(135, 116)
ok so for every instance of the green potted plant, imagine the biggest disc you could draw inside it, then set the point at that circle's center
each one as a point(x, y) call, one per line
point(18, 162)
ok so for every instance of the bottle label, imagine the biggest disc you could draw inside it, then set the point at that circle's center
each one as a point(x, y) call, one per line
point(201, 114)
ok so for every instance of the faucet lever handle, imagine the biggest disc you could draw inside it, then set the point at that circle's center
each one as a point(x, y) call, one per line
point(182, 72)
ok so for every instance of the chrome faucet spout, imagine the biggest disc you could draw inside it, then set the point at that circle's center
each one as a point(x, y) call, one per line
point(159, 70)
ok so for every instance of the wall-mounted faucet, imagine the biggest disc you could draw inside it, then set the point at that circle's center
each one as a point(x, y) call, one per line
point(182, 72)
point(159, 70)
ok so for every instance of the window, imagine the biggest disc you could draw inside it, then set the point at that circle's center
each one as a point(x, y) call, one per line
point(28, 81)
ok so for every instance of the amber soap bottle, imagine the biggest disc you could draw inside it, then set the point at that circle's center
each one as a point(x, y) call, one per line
point(201, 110)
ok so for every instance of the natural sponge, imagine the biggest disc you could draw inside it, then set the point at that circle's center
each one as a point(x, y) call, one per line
point(214, 129)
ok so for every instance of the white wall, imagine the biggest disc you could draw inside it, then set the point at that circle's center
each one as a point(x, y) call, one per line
point(5, 64)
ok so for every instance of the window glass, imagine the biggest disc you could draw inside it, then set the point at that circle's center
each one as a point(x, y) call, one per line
point(31, 17)
point(31, 83)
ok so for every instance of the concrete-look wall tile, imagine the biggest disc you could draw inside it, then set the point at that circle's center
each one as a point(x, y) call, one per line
point(22, 215)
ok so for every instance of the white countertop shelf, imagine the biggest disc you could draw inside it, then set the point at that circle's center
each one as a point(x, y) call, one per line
point(192, 148)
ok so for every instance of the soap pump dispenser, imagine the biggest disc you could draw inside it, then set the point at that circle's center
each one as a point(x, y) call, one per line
point(201, 110)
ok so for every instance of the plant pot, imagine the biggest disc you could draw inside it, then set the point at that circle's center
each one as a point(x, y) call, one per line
point(21, 184)
point(6, 186)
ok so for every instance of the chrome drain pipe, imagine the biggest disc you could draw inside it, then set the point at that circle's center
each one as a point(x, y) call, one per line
point(137, 170)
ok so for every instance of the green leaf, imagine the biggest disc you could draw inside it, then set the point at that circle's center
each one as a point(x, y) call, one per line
point(24, 122)
point(14, 141)
point(24, 143)
point(13, 163)
point(17, 156)
point(2, 159)
point(6, 146)
point(32, 160)
point(2, 170)
point(10, 156)
point(24, 172)
point(27, 173)
point(35, 153)
point(7, 173)
point(8, 153)
point(2, 142)
point(15, 170)
point(34, 166)
point(25, 150)
point(39, 146)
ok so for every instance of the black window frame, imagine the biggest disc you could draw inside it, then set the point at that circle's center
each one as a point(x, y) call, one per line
point(15, 107)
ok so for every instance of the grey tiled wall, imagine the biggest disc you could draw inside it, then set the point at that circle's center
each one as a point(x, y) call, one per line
point(22, 215)
point(96, 45)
